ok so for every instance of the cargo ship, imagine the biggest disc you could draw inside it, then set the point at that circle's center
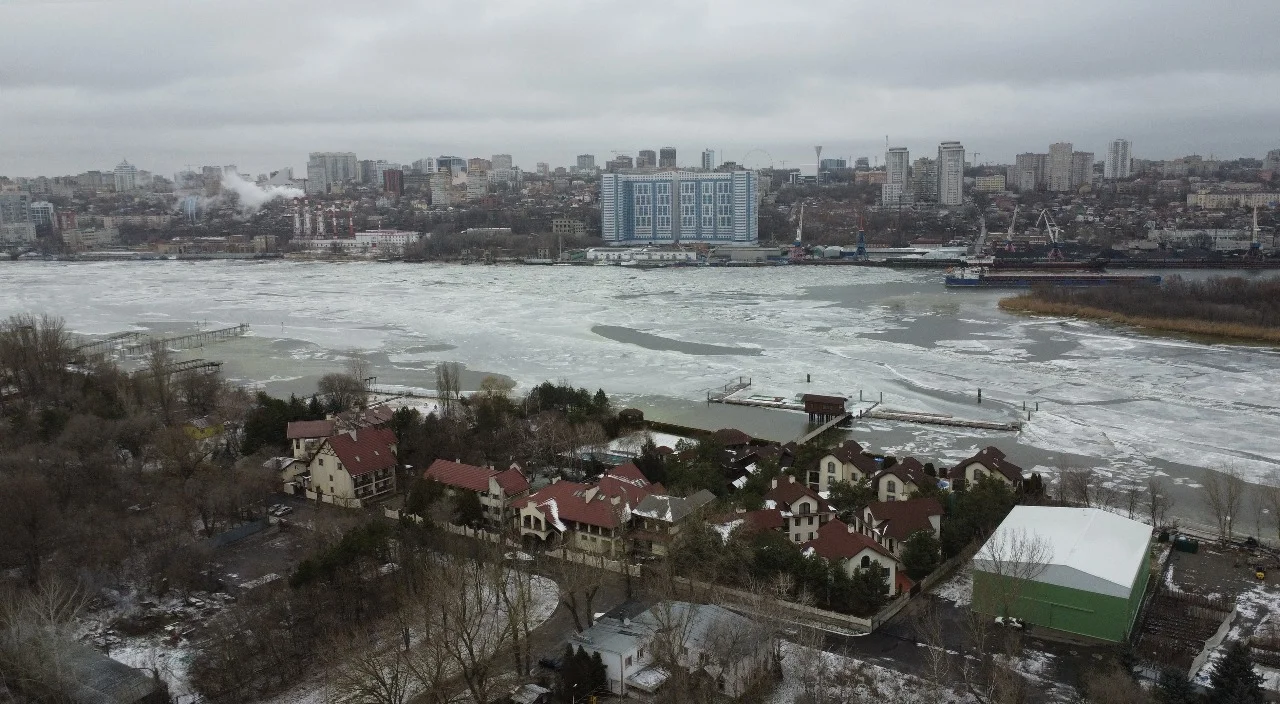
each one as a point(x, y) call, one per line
point(981, 278)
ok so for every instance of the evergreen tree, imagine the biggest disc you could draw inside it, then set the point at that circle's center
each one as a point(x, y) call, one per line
point(651, 464)
point(467, 509)
point(599, 679)
point(1173, 687)
point(1234, 680)
point(920, 554)
point(870, 589)
point(314, 410)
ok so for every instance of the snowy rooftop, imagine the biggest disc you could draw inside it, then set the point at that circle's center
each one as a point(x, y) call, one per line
point(1089, 548)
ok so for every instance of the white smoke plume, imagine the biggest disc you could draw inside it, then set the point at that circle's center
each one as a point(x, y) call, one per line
point(253, 196)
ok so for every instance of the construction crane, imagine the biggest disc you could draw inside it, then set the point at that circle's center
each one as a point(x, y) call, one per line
point(1008, 236)
point(861, 253)
point(1055, 239)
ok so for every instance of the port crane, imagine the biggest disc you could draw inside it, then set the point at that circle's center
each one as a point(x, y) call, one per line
point(1055, 235)
point(1008, 236)
point(861, 253)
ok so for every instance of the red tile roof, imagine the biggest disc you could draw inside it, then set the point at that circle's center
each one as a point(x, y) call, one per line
point(365, 417)
point(764, 519)
point(512, 481)
point(993, 459)
point(731, 436)
point(568, 501)
point(788, 491)
point(363, 451)
point(899, 519)
point(850, 452)
point(839, 541)
point(910, 470)
point(308, 429)
point(593, 504)
point(468, 476)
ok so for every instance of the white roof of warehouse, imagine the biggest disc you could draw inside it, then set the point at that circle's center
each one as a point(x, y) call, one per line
point(1089, 549)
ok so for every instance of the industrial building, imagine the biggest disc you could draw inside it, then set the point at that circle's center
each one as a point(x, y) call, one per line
point(1087, 579)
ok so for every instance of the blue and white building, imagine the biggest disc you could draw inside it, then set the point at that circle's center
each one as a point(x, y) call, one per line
point(679, 206)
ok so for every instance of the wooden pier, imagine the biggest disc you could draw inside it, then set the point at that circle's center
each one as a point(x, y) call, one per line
point(940, 419)
point(719, 395)
point(195, 339)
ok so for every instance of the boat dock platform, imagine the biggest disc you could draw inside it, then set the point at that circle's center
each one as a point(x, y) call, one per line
point(942, 419)
point(728, 394)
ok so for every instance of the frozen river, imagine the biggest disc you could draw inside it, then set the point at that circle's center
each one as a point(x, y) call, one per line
point(1127, 404)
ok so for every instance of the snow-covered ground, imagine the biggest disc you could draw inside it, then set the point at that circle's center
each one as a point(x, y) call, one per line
point(1254, 613)
point(959, 587)
point(846, 677)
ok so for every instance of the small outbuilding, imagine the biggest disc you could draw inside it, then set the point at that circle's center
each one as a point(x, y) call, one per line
point(1078, 570)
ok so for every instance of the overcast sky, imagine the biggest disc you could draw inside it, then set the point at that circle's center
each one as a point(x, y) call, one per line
point(260, 83)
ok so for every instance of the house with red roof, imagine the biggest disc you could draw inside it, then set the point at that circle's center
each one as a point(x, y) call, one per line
point(354, 468)
point(593, 518)
point(890, 523)
point(306, 435)
point(847, 463)
point(902, 480)
point(496, 488)
point(804, 511)
point(841, 543)
point(989, 462)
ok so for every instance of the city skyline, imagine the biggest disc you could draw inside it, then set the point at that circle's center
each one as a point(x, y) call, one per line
point(198, 84)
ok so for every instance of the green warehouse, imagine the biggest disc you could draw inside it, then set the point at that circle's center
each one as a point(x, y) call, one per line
point(1076, 570)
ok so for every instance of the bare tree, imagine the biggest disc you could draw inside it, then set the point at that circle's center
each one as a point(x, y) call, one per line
point(1159, 501)
point(1077, 486)
point(359, 367)
point(1224, 497)
point(1113, 685)
point(1015, 557)
point(36, 635)
point(579, 584)
point(930, 632)
point(343, 391)
point(368, 671)
point(448, 385)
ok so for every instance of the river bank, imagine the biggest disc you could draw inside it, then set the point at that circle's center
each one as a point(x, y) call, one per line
point(1201, 329)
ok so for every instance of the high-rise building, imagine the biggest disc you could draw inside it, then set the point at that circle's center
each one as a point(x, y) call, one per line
point(621, 162)
point(586, 162)
point(42, 213)
point(477, 184)
point(708, 159)
point(327, 170)
point(441, 189)
point(1272, 161)
point(476, 163)
point(829, 164)
point(667, 158)
point(126, 177)
point(862, 163)
point(1118, 161)
point(646, 159)
point(1030, 172)
point(897, 183)
point(543, 169)
point(1081, 169)
point(16, 223)
point(679, 206)
point(924, 179)
point(501, 161)
point(426, 165)
point(393, 181)
point(1060, 166)
point(950, 173)
point(453, 164)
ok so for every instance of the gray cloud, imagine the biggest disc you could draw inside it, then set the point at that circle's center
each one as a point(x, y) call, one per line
point(260, 84)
